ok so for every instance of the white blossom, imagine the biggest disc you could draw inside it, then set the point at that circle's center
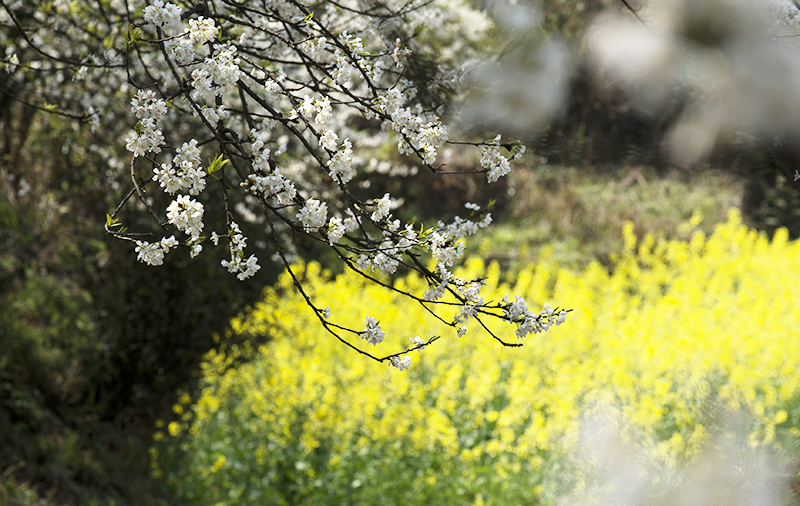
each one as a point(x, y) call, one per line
point(313, 214)
point(180, 49)
point(435, 293)
point(310, 47)
point(385, 263)
point(187, 215)
point(527, 322)
point(336, 230)
point(237, 242)
point(382, 208)
point(150, 253)
point(496, 164)
point(329, 140)
point(12, 63)
point(148, 139)
point(324, 109)
point(400, 54)
point(372, 332)
point(341, 164)
point(161, 14)
point(183, 175)
point(273, 185)
point(202, 29)
point(364, 262)
point(145, 105)
point(153, 253)
point(218, 75)
point(401, 363)
point(351, 222)
point(307, 106)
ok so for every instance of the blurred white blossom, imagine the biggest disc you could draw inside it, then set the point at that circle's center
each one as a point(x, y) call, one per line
point(730, 56)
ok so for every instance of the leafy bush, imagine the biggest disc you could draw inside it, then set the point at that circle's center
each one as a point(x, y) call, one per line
point(677, 336)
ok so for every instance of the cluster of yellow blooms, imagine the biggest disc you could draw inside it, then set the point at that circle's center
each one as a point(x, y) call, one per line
point(678, 330)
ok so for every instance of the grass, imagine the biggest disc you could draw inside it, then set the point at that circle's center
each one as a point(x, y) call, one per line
point(576, 214)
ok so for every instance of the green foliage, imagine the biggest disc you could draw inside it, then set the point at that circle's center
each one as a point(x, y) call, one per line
point(94, 346)
point(574, 215)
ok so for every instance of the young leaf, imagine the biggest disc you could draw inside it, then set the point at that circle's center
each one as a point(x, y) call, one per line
point(134, 34)
point(112, 222)
point(217, 164)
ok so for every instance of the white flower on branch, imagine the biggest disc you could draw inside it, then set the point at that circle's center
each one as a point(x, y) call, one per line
point(237, 242)
point(161, 14)
point(382, 207)
point(496, 164)
point(180, 49)
point(310, 47)
point(336, 230)
point(401, 363)
point(372, 333)
point(341, 164)
point(329, 140)
point(153, 253)
point(187, 215)
point(313, 214)
point(202, 29)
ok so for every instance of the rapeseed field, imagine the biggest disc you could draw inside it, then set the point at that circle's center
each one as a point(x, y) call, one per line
point(677, 345)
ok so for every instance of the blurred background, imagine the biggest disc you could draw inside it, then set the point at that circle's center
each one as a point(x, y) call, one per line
point(645, 126)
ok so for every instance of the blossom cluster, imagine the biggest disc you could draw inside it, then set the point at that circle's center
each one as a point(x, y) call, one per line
point(421, 131)
point(341, 163)
point(527, 322)
point(187, 215)
point(161, 14)
point(313, 214)
point(401, 363)
point(150, 111)
point(372, 333)
point(218, 75)
point(237, 242)
point(278, 98)
point(184, 174)
point(153, 253)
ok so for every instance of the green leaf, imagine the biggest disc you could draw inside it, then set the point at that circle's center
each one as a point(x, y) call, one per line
point(112, 222)
point(134, 34)
point(308, 18)
point(217, 164)
point(491, 204)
